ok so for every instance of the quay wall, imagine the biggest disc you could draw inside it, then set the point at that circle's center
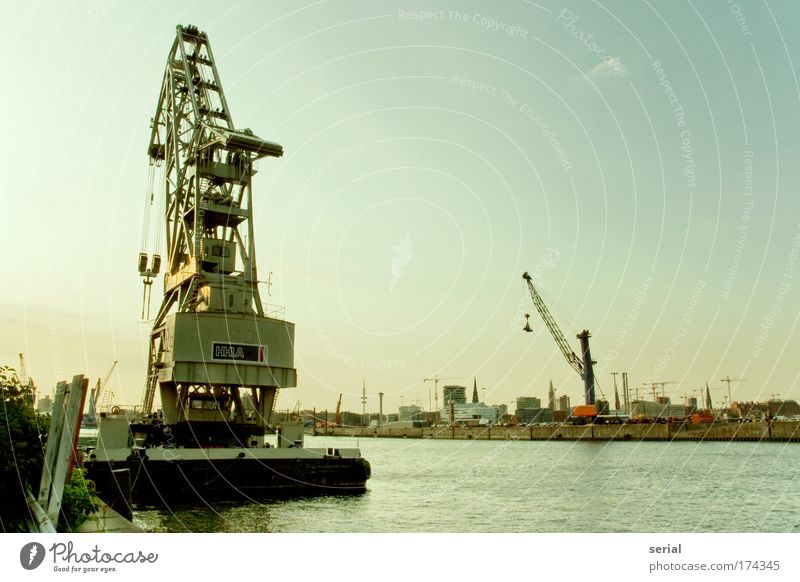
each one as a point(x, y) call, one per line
point(753, 432)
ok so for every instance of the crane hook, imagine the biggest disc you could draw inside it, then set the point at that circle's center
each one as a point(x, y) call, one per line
point(527, 327)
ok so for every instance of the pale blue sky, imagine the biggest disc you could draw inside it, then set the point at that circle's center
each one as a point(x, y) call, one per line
point(429, 162)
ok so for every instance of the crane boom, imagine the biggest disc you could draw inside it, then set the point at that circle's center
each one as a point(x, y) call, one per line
point(337, 418)
point(104, 404)
point(572, 358)
point(583, 366)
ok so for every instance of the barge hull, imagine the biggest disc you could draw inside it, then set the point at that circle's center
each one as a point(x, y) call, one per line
point(156, 483)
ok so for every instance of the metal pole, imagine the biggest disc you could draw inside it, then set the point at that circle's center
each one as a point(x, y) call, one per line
point(625, 394)
point(380, 410)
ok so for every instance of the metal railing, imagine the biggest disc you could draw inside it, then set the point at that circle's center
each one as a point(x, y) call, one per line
point(274, 311)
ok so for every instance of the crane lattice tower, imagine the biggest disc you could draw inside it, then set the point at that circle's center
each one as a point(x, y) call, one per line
point(211, 338)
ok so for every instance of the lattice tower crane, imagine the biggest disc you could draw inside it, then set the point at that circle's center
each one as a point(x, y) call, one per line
point(211, 337)
point(26, 380)
point(101, 397)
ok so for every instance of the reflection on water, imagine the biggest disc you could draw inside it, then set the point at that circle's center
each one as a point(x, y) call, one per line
point(523, 486)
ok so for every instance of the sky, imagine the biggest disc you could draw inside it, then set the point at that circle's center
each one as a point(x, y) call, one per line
point(639, 160)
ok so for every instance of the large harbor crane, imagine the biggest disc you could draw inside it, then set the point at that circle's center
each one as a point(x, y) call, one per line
point(584, 365)
point(211, 338)
point(216, 357)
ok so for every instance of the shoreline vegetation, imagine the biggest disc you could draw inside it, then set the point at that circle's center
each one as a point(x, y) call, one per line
point(23, 437)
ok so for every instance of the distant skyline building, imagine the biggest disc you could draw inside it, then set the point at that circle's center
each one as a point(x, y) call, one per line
point(411, 412)
point(529, 411)
point(471, 411)
point(691, 404)
point(771, 408)
point(475, 398)
point(534, 415)
point(564, 403)
point(648, 409)
point(528, 402)
point(551, 397)
point(455, 394)
point(44, 405)
point(786, 408)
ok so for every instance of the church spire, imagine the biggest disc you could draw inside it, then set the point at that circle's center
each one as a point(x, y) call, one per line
point(474, 389)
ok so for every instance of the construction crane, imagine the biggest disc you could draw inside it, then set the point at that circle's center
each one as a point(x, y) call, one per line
point(295, 414)
point(96, 404)
point(654, 387)
point(435, 379)
point(728, 380)
point(23, 371)
point(337, 418)
point(211, 338)
point(25, 380)
point(584, 366)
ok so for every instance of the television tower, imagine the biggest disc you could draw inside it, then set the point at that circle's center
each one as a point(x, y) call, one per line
point(363, 397)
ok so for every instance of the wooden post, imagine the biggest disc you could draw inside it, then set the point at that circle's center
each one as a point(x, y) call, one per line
point(64, 455)
point(41, 521)
point(73, 451)
point(53, 438)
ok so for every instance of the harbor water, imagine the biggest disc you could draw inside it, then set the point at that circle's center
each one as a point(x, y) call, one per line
point(421, 485)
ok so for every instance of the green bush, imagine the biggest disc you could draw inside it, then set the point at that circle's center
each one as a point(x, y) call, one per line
point(22, 434)
point(21, 451)
point(78, 501)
